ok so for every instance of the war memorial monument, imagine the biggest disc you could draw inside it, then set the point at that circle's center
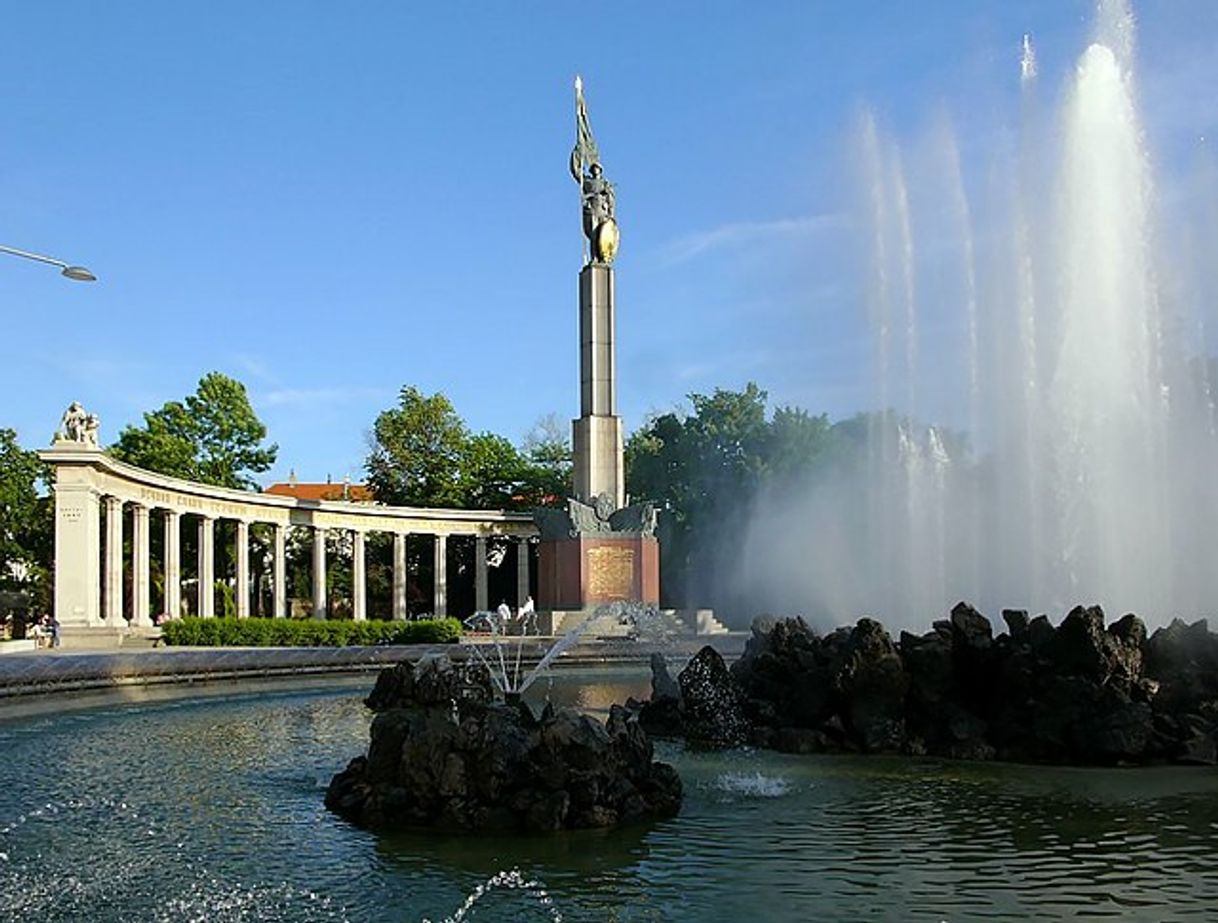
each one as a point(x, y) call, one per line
point(592, 551)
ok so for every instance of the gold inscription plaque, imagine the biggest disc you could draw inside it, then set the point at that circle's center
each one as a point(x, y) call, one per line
point(610, 573)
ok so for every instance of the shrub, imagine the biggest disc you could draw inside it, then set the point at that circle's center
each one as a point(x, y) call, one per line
point(253, 632)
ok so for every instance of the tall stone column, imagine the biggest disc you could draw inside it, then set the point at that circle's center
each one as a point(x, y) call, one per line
point(359, 589)
point(242, 590)
point(522, 570)
point(173, 563)
point(140, 579)
point(400, 575)
point(319, 572)
point(597, 434)
point(112, 603)
point(440, 609)
point(207, 567)
point(279, 593)
point(480, 588)
point(77, 555)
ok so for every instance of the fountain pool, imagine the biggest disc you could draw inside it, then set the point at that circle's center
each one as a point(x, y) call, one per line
point(212, 810)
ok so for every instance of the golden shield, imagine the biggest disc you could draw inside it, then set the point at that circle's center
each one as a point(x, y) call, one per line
point(606, 240)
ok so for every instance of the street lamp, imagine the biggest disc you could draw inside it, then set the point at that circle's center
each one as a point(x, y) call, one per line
point(76, 273)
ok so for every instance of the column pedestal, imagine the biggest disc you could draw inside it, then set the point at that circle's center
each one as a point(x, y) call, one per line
point(584, 572)
point(77, 556)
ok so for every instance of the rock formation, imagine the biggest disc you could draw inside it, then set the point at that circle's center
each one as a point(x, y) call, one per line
point(444, 754)
point(1080, 693)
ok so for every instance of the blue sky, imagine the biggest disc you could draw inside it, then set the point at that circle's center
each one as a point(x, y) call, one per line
point(329, 201)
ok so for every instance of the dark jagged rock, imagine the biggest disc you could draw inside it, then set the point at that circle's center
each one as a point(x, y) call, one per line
point(1080, 693)
point(870, 684)
point(663, 686)
point(970, 628)
point(712, 701)
point(1017, 623)
point(1184, 659)
point(443, 754)
point(663, 715)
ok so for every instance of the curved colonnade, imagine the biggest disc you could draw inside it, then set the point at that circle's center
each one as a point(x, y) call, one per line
point(91, 568)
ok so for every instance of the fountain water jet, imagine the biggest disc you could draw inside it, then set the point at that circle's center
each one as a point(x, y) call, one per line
point(1083, 475)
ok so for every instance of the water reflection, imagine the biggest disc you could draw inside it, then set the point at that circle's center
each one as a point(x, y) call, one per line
point(212, 811)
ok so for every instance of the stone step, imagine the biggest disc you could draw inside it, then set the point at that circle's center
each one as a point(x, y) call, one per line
point(682, 623)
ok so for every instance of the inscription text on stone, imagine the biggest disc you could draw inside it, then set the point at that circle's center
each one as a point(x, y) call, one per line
point(610, 573)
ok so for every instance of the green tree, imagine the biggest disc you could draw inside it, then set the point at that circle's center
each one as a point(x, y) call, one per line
point(423, 454)
point(704, 469)
point(799, 443)
point(416, 451)
point(549, 462)
point(213, 436)
point(493, 474)
point(27, 527)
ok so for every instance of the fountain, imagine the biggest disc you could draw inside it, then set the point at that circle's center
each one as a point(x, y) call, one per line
point(1058, 338)
point(444, 752)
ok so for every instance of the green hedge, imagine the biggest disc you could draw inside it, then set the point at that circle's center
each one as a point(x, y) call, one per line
point(223, 632)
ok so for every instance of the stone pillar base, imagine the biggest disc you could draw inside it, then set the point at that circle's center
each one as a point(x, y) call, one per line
point(74, 638)
point(588, 571)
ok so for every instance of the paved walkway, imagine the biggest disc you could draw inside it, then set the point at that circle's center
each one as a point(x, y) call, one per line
point(44, 671)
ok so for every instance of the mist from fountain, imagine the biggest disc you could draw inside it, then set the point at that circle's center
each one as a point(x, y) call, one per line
point(1069, 351)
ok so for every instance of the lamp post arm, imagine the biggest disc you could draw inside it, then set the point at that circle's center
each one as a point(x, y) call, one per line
point(33, 256)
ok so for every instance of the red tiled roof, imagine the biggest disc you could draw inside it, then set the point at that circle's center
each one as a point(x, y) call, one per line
point(352, 493)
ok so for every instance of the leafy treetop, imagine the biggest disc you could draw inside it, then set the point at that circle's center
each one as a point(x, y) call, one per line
point(213, 436)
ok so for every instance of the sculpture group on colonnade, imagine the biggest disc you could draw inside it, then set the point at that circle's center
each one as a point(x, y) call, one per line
point(78, 426)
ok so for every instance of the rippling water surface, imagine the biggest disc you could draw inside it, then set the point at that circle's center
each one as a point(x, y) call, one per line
point(212, 811)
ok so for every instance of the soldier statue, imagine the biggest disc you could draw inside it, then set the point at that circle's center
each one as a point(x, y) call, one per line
point(596, 192)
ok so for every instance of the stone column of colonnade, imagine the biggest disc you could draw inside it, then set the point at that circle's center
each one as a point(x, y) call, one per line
point(241, 591)
point(112, 571)
point(400, 610)
point(207, 567)
point(319, 572)
point(359, 585)
point(173, 563)
point(140, 554)
point(440, 577)
point(480, 576)
point(522, 570)
point(279, 590)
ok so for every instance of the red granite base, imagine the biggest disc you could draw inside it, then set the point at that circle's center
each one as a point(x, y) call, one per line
point(575, 573)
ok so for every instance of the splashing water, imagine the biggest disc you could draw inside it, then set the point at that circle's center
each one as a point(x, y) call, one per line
point(511, 880)
point(752, 785)
point(1027, 59)
point(505, 655)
